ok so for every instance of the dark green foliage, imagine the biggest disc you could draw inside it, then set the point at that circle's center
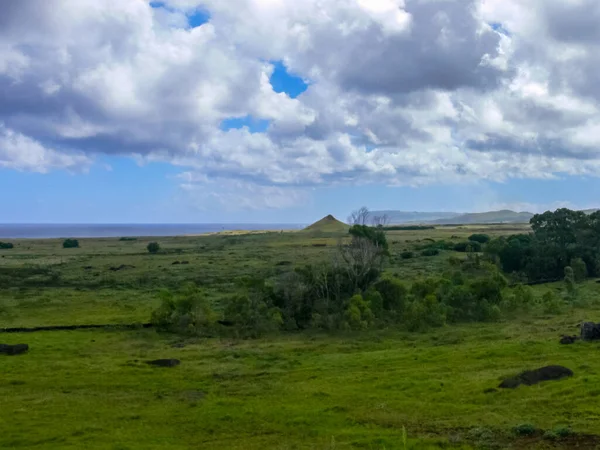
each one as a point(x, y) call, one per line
point(6, 246)
point(252, 312)
point(153, 247)
point(430, 252)
point(559, 238)
point(407, 255)
point(580, 271)
point(394, 295)
point(481, 238)
point(471, 246)
point(184, 312)
point(374, 235)
point(127, 239)
point(70, 243)
point(525, 429)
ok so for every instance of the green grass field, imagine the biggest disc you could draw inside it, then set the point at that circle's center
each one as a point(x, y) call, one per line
point(386, 389)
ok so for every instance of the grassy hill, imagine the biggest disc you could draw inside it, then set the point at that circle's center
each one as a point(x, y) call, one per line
point(328, 224)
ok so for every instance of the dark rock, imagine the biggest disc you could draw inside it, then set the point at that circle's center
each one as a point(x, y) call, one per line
point(565, 340)
point(164, 362)
point(530, 377)
point(12, 350)
point(590, 331)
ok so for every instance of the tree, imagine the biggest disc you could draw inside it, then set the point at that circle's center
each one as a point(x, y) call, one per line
point(481, 238)
point(580, 271)
point(380, 221)
point(359, 217)
point(70, 243)
point(153, 247)
point(6, 245)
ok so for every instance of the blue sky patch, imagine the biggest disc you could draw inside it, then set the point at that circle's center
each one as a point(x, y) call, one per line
point(284, 81)
point(196, 18)
point(500, 28)
point(253, 124)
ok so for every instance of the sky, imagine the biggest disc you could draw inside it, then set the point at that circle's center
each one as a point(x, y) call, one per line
point(280, 111)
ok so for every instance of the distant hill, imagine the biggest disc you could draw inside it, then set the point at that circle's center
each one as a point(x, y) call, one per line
point(503, 216)
point(400, 217)
point(328, 224)
point(442, 218)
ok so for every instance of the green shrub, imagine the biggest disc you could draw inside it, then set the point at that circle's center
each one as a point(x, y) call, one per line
point(525, 429)
point(153, 247)
point(407, 255)
point(70, 243)
point(6, 246)
point(375, 301)
point(394, 294)
point(552, 304)
point(424, 313)
point(430, 252)
point(185, 312)
point(471, 246)
point(481, 238)
point(253, 313)
point(358, 313)
point(520, 298)
point(126, 239)
point(580, 271)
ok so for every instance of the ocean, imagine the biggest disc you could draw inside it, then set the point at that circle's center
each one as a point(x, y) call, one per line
point(47, 231)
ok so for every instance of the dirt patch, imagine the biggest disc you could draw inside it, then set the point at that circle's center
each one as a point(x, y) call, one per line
point(530, 377)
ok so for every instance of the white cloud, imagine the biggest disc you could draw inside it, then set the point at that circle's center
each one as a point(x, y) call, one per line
point(402, 92)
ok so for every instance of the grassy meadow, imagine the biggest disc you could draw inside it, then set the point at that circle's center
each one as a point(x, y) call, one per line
point(377, 389)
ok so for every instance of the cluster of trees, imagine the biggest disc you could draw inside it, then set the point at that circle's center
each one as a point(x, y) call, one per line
point(348, 293)
point(559, 240)
point(6, 245)
point(330, 298)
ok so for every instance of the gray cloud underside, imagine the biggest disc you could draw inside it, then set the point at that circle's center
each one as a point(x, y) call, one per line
point(401, 92)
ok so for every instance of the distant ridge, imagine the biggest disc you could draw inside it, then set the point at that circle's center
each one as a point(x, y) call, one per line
point(328, 224)
point(451, 218)
point(444, 218)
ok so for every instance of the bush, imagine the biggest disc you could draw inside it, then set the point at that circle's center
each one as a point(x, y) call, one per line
point(430, 252)
point(520, 297)
point(6, 246)
point(394, 294)
point(186, 312)
point(252, 315)
point(525, 429)
point(70, 243)
point(407, 255)
point(481, 238)
point(358, 313)
point(552, 304)
point(153, 247)
point(425, 313)
point(127, 239)
point(471, 246)
point(580, 271)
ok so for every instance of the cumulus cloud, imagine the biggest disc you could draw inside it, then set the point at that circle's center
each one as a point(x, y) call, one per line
point(401, 91)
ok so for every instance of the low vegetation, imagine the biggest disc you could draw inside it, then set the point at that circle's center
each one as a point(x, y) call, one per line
point(6, 245)
point(70, 243)
point(360, 338)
